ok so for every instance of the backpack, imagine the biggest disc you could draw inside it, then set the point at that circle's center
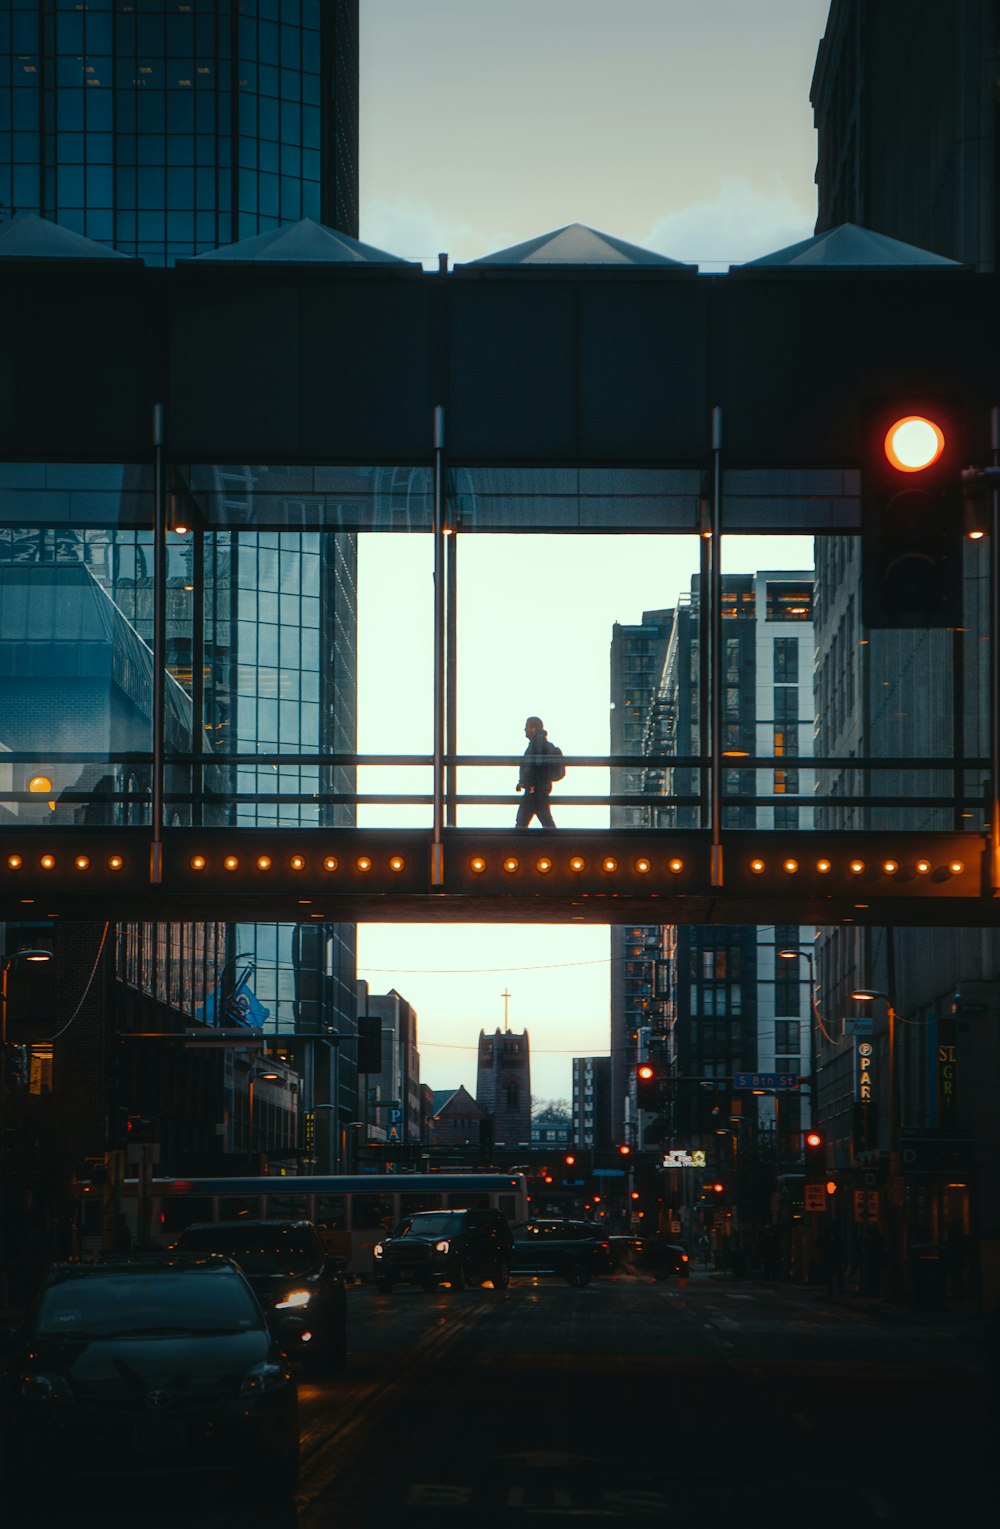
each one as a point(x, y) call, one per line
point(553, 766)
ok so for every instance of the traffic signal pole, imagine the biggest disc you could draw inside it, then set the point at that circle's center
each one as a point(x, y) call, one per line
point(994, 661)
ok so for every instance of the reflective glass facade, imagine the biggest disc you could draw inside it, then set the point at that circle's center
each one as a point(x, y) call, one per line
point(166, 128)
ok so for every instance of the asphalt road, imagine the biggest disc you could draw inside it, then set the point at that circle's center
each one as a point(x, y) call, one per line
point(711, 1402)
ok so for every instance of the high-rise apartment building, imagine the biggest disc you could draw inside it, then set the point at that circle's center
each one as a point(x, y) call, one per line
point(165, 129)
point(637, 654)
point(732, 1003)
point(591, 1103)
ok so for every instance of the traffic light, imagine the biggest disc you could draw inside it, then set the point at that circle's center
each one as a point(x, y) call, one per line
point(624, 1150)
point(814, 1148)
point(569, 1159)
point(647, 1086)
point(912, 515)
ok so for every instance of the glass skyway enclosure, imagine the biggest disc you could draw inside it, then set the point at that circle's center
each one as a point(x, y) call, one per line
point(265, 630)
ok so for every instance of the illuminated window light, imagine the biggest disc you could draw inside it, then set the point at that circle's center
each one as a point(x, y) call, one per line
point(757, 866)
point(263, 862)
point(890, 867)
point(82, 862)
point(824, 867)
point(197, 862)
point(956, 867)
point(14, 862)
point(115, 862)
point(857, 866)
point(543, 864)
point(791, 866)
point(609, 863)
point(364, 863)
point(923, 867)
point(330, 863)
point(675, 865)
point(232, 863)
point(48, 862)
point(478, 864)
point(510, 864)
point(396, 863)
point(298, 862)
point(642, 866)
point(577, 863)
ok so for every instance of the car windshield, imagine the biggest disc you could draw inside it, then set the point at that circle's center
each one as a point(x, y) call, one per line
point(143, 1302)
point(257, 1250)
point(429, 1224)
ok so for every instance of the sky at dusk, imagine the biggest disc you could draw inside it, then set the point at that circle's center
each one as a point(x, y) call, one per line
point(680, 125)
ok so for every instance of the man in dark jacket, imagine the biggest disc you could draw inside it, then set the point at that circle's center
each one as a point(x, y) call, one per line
point(534, 778)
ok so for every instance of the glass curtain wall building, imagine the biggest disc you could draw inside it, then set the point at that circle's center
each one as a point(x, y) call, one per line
point(165, 128)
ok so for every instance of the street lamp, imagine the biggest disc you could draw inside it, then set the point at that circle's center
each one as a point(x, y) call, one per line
point(40, 956)
point(256, 1077)
point(868, 995)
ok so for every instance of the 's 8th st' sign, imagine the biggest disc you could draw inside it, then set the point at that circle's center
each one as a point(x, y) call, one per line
point(679, 1157)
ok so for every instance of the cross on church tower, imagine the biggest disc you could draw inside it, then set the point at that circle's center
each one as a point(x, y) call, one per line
point(506, 999)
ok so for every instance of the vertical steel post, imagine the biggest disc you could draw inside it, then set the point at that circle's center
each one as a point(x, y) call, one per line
point(717, 655)
point(995, 659)
point(198, 674)
point(440, 637)
point(159, 641)
point(451, 698)
point(705, 666)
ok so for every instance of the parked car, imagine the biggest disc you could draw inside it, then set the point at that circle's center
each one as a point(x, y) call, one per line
point(434, 1247)
point(300, 1288)
point(574, 1250)
point(649, 1255)
point(152, 1368)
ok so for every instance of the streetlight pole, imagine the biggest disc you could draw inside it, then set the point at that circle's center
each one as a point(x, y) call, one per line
point(40, 956)
point(868, 995)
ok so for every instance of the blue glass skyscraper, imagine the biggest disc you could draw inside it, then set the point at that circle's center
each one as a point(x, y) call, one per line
point(168, 127)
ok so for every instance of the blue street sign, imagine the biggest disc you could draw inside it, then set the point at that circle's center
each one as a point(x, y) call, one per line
point(765, 1080)
point(608, 1173)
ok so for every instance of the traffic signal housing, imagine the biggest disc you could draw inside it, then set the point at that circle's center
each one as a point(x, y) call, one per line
point(814, 1152)
point(120, 1132)
point(912, 515)
point(647, 1086)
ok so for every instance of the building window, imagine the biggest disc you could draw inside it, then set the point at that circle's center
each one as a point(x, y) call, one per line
point(513, 1096)
point(786, 660)
point(789, 602)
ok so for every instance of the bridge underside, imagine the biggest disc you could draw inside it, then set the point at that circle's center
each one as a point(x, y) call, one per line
point(496, 876)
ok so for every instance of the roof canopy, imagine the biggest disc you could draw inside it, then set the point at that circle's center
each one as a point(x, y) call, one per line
point(29, 237)
point(578, 245)
point(850, 245)
point(303, 243)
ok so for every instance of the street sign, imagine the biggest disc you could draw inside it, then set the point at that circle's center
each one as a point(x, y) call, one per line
point(815, 1196)
point(608, 1173)
point(777, 1080)
point(390, 1104)
point(395, 1115)
point(866, 1205)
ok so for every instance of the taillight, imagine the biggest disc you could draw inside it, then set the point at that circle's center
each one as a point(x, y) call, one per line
point(684, 1258)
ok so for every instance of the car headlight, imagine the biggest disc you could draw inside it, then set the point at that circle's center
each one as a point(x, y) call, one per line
point(442, 1247)
point(379, 1250)
point(292, 1299)
point(266, 1376)
point(38, 1386)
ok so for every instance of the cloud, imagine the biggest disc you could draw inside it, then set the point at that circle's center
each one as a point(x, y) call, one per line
point(739, 223)
point(416, 232)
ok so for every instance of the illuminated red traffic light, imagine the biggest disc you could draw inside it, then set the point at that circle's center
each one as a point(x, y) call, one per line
point(645, 1072)
point(625, 1150)
point(913, 443)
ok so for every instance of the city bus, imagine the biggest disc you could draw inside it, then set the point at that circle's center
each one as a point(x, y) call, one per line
point(350, 1211)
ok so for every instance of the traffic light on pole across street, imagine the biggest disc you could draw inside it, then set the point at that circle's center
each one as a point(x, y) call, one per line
point(912, 514)
point(647, 1086)
point(814, 1152)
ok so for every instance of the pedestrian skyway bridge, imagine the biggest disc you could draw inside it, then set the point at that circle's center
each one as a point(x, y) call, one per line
point(496, 876)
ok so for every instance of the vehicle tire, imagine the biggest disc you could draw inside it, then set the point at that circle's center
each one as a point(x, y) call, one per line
point(383, 1286)
point(501, 1275)
point(459, 1276)
point(578, 1275)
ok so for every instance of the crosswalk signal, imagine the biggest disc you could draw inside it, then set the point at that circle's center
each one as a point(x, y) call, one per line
point(912, 516)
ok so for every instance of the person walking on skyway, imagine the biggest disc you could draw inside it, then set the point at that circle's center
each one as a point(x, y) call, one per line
point(542, 764)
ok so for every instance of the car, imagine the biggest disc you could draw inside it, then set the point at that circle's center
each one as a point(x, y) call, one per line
point(301, 1289)
point(574, 1250)
point(649, 1255)
point(435, 1247)
point(154, 1368)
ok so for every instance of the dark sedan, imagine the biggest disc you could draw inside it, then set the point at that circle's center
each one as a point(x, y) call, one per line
point(649, 1255)
point(573, 1250)
point(164, 1368)
point(301, 1289)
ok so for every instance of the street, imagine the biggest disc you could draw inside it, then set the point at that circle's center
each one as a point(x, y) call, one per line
point(626, 1400)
